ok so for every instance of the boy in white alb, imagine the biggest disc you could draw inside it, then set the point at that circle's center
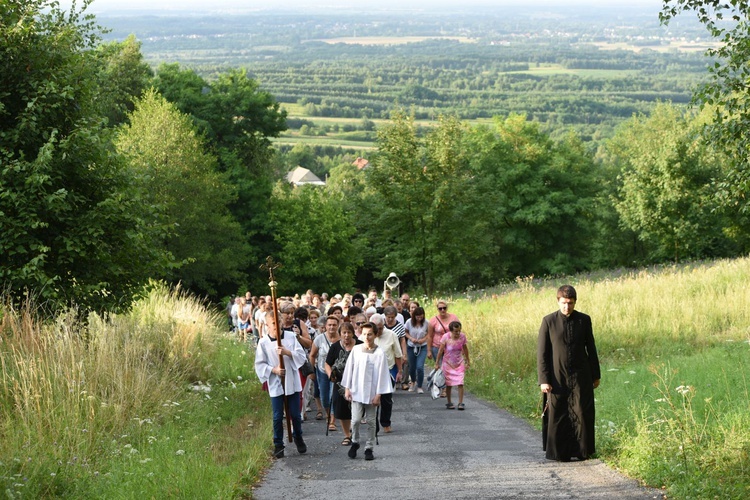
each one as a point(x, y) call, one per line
point(366, 378)
point(268, 370)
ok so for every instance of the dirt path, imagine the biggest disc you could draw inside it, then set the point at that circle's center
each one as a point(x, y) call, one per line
point(434, 453)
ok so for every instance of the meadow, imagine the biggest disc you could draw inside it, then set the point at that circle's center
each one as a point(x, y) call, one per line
point(161, 402)
point(673, 345)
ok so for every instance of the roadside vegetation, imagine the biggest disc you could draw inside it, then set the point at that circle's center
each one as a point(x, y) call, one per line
point(154, 403)
point(160, 402)
point(673, 345)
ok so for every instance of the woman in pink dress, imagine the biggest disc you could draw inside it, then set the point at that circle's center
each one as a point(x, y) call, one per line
point(454, 353)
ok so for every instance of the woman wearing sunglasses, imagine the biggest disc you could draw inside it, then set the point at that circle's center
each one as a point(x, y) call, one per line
point(436, 328)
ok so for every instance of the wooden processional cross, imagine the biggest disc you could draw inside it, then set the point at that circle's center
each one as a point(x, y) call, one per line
point(271, 266)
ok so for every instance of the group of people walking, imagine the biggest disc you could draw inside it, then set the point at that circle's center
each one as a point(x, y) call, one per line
point(351, 353)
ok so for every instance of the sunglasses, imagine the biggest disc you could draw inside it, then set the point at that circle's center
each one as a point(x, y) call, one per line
point(359, 323)
point(442, 308)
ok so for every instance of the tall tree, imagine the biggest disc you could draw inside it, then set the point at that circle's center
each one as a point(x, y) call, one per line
point(315, 239)
point(238, 119)
point(176, 174)
point(71, 226)
point(123, 76)
point(728, 91)
point(538, 196)
point(422, 229)
point(666, 195)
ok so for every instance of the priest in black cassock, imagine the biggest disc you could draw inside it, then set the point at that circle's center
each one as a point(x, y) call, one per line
point(568, 370)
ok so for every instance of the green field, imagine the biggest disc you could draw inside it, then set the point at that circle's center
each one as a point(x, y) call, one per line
point(291, 140)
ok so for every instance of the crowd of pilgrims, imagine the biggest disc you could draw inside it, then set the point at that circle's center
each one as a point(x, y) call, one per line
point(345, 355)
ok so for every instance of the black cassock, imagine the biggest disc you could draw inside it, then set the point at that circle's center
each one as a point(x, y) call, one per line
point(567, 360)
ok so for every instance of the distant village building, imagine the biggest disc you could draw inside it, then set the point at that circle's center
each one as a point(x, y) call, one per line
point(300, 176)
point(360, 163)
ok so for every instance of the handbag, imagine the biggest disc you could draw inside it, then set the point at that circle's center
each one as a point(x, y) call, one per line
point(306, 369)
point(435, 382)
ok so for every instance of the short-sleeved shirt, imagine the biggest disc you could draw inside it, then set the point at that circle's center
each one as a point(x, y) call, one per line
point(324, 345)
point(415, 332)
point(388, 341)
point(440, 327)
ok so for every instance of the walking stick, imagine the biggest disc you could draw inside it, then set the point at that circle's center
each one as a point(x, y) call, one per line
point(270, 266)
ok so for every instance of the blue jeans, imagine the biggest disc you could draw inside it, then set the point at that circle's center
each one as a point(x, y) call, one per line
point(277, 406)
point(416, 364)
point(435, 351)
point(325, 386)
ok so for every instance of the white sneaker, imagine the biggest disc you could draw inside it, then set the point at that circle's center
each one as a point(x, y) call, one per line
point(412, 387)
point(420, 391)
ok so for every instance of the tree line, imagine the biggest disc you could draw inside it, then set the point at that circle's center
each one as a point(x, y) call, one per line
point(114, 174)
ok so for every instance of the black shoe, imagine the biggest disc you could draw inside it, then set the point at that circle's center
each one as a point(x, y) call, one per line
point(301, 446)
point(369, 455)
point(353, 450)
point(278, 451)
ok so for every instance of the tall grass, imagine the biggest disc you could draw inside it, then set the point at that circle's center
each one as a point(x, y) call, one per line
point(81, 400)
point(673, 343)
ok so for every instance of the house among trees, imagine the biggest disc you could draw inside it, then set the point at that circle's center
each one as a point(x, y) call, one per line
point(360, 163)
point(300, 176)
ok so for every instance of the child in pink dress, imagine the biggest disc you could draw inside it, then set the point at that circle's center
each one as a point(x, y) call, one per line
point(454, 354)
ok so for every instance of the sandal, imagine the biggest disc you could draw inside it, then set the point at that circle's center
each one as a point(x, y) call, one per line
point(332, 427)
point(319, 415)
point(450, 406)
point(346, 442)
point(461, 406)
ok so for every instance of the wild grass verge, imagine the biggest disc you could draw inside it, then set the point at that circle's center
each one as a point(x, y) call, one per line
point(155, 403)
point(673, 344)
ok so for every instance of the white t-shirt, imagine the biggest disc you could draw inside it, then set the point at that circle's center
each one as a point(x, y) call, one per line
point(416, 332)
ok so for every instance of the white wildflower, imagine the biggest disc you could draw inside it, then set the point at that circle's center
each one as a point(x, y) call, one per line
point(180, 452)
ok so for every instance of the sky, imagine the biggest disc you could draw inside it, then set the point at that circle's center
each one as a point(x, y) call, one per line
point(177, 5)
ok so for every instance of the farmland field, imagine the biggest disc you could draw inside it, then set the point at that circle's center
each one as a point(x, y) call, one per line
point(391, 40)
point(335, 73)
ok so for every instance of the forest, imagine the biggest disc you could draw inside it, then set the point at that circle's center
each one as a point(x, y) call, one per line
point(147, 153)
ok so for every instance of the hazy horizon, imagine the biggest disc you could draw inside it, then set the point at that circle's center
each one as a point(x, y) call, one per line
point(102, 6)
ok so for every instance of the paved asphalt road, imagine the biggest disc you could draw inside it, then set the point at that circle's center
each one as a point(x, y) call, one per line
point(435, 453)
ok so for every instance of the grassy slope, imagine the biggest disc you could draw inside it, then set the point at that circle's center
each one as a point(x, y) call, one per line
point(673, 345)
